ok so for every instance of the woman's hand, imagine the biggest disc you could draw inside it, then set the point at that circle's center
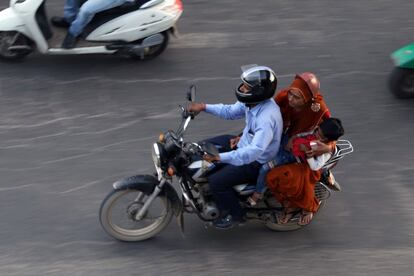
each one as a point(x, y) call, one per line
point(289, 144)
point(319, 149)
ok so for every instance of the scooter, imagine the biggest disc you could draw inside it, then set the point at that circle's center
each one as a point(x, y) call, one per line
point(139, 29)
point(401, 80)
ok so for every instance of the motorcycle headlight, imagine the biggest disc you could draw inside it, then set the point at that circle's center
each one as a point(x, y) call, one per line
point(156, 155)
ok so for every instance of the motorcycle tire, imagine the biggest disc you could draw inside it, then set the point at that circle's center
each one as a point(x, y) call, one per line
point(8, 39)
point(401, 82)
point(322, 193)
point(292, 225)
point(108, 217)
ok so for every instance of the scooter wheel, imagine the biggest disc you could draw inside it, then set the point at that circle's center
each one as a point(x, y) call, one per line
point(401, 82)
point(153, 51)
point(8, 39)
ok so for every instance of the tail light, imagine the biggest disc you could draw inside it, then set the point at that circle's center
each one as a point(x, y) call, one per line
point(179, 5)
point(174, 8)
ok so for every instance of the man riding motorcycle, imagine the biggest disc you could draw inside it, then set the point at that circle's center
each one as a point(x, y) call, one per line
point(259, 142)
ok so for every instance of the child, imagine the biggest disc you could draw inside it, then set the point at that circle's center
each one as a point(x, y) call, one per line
point(301, 144)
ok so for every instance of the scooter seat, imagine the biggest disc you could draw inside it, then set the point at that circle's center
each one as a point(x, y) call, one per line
point(107, 15)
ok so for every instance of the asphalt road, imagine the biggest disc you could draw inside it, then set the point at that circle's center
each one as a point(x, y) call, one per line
point(70, 126)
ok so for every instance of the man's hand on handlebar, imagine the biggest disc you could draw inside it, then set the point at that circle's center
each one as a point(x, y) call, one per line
point(211, 158)
point(196, 107)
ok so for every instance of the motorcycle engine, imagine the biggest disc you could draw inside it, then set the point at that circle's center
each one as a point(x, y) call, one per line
point(210, 210)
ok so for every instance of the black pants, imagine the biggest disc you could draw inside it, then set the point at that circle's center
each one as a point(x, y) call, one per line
point(226, 176)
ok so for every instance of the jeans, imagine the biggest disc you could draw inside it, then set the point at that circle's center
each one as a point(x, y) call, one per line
point(79, 15)
point(282, 157)
point(225, 176)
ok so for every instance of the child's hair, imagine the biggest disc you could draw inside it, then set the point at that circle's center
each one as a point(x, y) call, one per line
point(332, 129)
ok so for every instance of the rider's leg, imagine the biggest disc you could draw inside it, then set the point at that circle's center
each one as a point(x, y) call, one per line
point(283, 156)
point(222, 182)
point(88, 10)
point(71, 9)
point(260, 185)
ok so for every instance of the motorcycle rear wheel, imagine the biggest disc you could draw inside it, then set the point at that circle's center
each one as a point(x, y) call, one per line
point(321, 192)
point(292, 225)
point(117, 215)
point(8, 39)
point(401, 82)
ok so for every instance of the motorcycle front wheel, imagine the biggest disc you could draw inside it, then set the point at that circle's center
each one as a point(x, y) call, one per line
point(118, 210)
point(401, 82)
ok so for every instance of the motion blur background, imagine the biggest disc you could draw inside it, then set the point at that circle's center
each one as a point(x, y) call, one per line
point(72, 125)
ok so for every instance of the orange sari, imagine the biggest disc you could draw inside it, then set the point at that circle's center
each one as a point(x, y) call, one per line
point(294, 186)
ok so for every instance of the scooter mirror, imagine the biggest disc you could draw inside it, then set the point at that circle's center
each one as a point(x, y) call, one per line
point(191, 94)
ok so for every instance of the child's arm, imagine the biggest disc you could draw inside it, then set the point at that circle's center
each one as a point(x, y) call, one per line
point(317, 162)
point(321, 148)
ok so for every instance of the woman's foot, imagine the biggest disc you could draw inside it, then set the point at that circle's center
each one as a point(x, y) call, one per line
point(305, 218)
point(254, 198)
point(287, 215)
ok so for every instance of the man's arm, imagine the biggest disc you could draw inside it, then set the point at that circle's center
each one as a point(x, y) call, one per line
point(250, 153)
point(225, 111)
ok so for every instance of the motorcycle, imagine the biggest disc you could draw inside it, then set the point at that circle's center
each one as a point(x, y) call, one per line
point(138, 29)
point(141, 206)
point(401, 81)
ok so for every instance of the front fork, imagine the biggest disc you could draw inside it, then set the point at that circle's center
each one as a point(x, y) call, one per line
point(150, 199)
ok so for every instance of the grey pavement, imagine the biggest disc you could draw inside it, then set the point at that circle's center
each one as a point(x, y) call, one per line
point(72, 125)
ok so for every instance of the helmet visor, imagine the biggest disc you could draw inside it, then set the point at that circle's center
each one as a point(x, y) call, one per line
point(253, 74)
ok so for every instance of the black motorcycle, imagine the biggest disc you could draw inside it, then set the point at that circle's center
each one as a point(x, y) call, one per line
point(141, 206)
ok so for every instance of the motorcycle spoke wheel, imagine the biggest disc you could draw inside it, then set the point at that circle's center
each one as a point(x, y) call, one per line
point(118, 215)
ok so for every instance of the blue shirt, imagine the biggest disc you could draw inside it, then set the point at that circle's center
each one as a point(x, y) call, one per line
point(261, 136)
